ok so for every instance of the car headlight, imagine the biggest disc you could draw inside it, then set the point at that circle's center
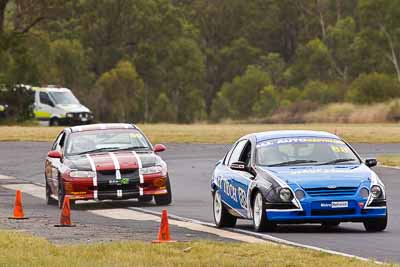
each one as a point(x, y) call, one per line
point(364, 192)
point(82, 174)
point(69, 115)
point(299, 194)
point(151, 170)
point(285, 194)
point(376, 191)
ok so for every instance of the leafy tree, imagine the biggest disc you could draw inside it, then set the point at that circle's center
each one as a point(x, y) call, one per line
point(70, 64)
point(183, 69)
point(18, 62)
point(339, 39)
point(236, 56)
point(292, 94)
point(267, 102)
point(274, 64)
point(313, 62)
point(164, 110)
point(319, 92)
point(122, 93)
point(381, 18)
point(373, 87)
point(220, 108)
point(243, 92)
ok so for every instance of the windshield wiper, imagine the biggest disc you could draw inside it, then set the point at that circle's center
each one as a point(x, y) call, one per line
point(112, 149)
point(98, 150)
point(292, 162)
point(337, 161)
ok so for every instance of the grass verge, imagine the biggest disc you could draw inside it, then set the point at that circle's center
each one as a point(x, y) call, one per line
point(389, 160)
point(18, 249)
point(221, 133)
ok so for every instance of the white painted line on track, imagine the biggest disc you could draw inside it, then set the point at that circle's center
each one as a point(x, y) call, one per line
point(130, 214)
point(123, 214)
point(142, 214)
point(31, 189)
point(5, 177)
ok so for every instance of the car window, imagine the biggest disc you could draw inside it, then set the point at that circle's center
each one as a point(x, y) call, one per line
point(228, 155)
point(64, 97)
point(246, 155)
point(45, 99)
point(106, 140)
point(59, 143)
point(237, 151)
point(315, 150)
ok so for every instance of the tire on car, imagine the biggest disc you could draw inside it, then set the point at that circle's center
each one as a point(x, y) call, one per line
point(49, 199)
point(330, 225)
point(376, 225)
point(222, 217)
point(260, 221)
point(54, 122)
point(61, 194)
point(164, 199)
point(145, 199)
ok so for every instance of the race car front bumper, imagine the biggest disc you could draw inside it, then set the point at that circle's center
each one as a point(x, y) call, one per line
point(352, 210)
point(83, 189)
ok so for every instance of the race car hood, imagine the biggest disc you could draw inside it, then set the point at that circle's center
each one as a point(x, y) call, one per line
point(110, 160)
point(323, 176)
point(73, 108)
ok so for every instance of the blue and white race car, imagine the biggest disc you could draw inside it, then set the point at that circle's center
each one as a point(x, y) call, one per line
point(282, 177)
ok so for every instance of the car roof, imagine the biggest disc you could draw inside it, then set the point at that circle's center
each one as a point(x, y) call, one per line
point(101, 126)
point(50, 89)
point(262, 136)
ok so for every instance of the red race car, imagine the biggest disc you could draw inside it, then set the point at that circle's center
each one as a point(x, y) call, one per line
point(106, 161)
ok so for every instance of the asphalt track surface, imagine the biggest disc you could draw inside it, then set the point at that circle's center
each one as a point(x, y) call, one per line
point(190, 167)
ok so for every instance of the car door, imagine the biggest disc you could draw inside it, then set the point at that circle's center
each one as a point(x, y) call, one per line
point(235, 183)
point(53, 165)
point(44, 106)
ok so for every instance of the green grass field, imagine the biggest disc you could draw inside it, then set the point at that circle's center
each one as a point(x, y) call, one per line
point(392, 160)
point(18, 249)
point(221, 133)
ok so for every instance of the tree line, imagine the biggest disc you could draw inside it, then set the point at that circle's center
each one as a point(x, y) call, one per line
point(194, 60)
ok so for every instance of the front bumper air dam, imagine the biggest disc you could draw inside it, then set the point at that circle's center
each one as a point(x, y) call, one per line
point(313, 213)
point(83, 189)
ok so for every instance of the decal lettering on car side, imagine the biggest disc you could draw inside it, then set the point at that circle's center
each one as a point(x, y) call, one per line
point(242, 198)
point(230, 190)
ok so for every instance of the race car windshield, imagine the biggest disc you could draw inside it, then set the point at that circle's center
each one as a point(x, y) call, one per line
point(105, 140)
point(304, 151)
point(64, 98)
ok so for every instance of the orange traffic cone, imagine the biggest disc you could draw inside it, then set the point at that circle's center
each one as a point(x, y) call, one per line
point(65, 218)
point(18, 210)
point(163, 233)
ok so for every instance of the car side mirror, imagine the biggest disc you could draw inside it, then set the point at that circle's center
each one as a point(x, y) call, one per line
point(371, 162)
point(159, 148)
point(54, 154)
point(238, 166)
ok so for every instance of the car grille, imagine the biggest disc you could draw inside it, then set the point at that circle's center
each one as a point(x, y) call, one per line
point(106, 175)
point(332, 212)
point(106, 180)
point(80, 115)
point(324, 191)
